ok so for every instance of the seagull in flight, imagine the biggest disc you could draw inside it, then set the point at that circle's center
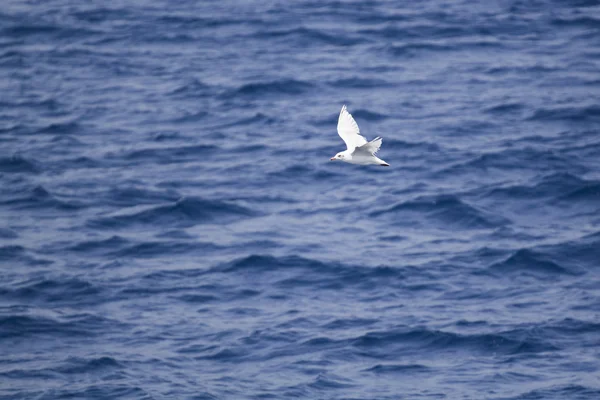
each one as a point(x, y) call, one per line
point(359, 150)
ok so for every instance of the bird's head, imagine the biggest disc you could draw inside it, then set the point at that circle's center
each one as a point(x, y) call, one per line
point(338, 156)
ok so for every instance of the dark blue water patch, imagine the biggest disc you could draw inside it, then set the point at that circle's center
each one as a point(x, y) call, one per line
point(524, 159)
point(106, 390)
point(349, 323)
point(247, 149)
point(429, 47)
point(525, 262)
point(481, 257)
point(570, 114)
point(582, 21)
point(264, 263)
point(185, 212)
point(15, 254)
point(43, 31)
point(299, 271)
point(388, 344)
point(82, 162)
point(92, 365)
point(447, 210)
point(98, 15)
point(18, 164)
point(559, 392)
point(193, 88)
point(102, 246)
point(193, 117)
point(6, 233)
point(64, 144)
point(400, 369)
point(550, 186)
point(583, 252)
point(166, 136)
point(302, 173)
point(330, 382)
point(39, 198)
point(51, 105)
point(307, 37)
point(360, 83)
point(59, 290)
point(258, 119)
point(506, 108)
point(368, 115)
point(26, 327)
point(270, 89)
point(128, 196)
point(12, 59)
point(587, 192)
point(11, 252)
point(67, 128)
point(197, 298)
point(179, 20)
point(414, 149)
point(167, 155)
point(162, 248)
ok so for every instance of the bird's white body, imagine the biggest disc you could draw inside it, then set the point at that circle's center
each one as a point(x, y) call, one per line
point(358, 151)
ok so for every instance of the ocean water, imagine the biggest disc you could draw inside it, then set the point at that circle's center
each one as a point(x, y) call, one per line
point(172, 227)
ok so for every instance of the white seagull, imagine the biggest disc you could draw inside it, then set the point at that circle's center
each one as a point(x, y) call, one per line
point(359, 150)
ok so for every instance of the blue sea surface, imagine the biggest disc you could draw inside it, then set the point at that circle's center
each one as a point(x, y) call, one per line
point(171, 226)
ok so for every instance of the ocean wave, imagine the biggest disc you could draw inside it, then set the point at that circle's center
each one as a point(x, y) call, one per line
point(62, 31)
point(105, 390)
point(54, 291)
point(187, 211)
point(588, 191)
point(525, 262)
point(129, 196)
point(303, 173)
point(506, 108)
point(551, 186)
point(66, 128)
point(90, 247)
point(526, 159)
point(559, 392)
point(293, 273)
point(19, 254)
point(361, 114)
point(6, 233)
point(398, 369)
point(283, 87)
point(448, 210)
point(78, 325)
point(155, 248)
point(580, 253)
point(360, 83)
point(168, 155)
point(308, 37)
point(193, 88)
point(40, 198)
point(17, 163)
point(573, 114)
point(434, 47)
point(381, 344)
point(91, 365)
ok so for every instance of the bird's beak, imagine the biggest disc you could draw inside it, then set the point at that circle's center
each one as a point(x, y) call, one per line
point(332, 159)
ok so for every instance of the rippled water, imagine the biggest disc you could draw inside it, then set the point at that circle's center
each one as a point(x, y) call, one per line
point(172, 227)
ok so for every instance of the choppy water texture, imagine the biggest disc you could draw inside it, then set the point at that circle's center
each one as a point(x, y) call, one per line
point(172, 227)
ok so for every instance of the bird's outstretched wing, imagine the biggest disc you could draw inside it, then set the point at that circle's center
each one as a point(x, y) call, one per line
point(372, 147)
point(348, 130)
